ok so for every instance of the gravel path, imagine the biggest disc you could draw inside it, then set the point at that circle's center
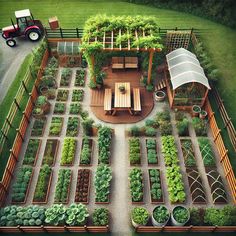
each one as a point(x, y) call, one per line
point(10, 62)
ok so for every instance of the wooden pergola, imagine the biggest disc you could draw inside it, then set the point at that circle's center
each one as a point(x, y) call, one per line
point(108, 40)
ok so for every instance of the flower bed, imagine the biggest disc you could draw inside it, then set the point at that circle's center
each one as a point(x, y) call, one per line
point(207, 153)
point(68, 152)
point(72, 127)
point(151, 148)
point(75, 108)
point(62, 95)
point(77, 95)
point(80, 77)
point(21, 186)
point(83, 186)
point(134, 151)
point(43, 185)
point(155, 186)
point(173, 175)
point(32, 152)
point(59, 108)
point(104, 145)
point(38, 127)
point(56, 126)
point(63, 186)
point(188, 153)
point(50, 152)
point(136, 185)
point(86, 152)
point(102, 183)
point(66, 74)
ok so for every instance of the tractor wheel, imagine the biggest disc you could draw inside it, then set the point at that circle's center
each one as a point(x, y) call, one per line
point(33, 35)
point(11, 42)
point(4, 36)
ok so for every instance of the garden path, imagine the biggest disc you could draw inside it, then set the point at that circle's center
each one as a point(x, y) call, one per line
point(120, 205)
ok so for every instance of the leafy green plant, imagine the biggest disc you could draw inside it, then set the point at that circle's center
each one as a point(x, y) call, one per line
point(206, 151)
point(49, 153)
point(188, 153)
point(38, 127)
point(77, 95)
point(181, 214)
point(155, 184)
point(104, 144)
point(102, 181)
point(197, 216)
point(136, 184)
point(100, 217)
point(62, 95)
point(134, 151)
point(161, 214)
point(80, 77)
point(63, 182)
point(151, 151)
point(169, 150)
point(55, 215)
point(134, 131)
point(76, 214)
point(150, 131)
point(182, 127)
point(85, 157)
point(65, 76)
point(200, 126)
point(23, 216)
point(75, 108)
point(31, 152)
point(41, 100)
point(59, 108)
point(68, 151)
point(19, 188)
point(56, 126)
point(72, 126)
point(140, 215)
point(42, 184)
point(87, 125)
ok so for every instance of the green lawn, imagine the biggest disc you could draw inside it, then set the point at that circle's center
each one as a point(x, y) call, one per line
point(219, 40)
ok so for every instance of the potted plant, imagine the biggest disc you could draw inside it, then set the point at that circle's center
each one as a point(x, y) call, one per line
point(38, 113)
point(196, 110)
point(180, 216)
point(202, 114)
point(99, 79)
point(42, 102)
point(87, 125)
point(122, 89)
point(160, 216)
point(139, 216)
point(160, 96)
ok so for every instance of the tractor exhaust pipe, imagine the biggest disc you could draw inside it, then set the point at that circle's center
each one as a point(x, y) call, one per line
point(13, 24)
point(32, 18)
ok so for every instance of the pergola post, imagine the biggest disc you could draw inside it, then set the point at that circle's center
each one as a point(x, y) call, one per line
point(204, 98)
point(92, 69)
point(150, 66)
point(172, 99)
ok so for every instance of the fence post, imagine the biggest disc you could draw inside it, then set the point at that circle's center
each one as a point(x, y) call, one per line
point(23, 83)
point(18, 106)
point(61, 32)
point(18, 131)
point(217, 135)
point(227, 123)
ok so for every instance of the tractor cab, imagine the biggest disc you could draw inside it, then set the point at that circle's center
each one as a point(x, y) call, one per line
point(25, 25)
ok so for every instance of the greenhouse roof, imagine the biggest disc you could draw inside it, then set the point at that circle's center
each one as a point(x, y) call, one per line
point(184, 68)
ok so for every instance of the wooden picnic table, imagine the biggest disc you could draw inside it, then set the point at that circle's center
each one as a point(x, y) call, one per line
point(122, 100)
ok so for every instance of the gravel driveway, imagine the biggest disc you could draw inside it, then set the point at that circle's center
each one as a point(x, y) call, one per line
point(10, 62)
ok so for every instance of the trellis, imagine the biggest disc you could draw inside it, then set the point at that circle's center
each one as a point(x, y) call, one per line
point(177, 39)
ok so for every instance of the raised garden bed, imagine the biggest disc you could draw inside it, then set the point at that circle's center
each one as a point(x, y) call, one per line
point(50, 152)
point(182, 124)
point(136, 185)
point(32, 152)
point(68, 152)
point(77, 95)
point(188, 153)
point(134, 151)
point(62, 95)
point(66, 74)
point(38, 127)
point(75, 108)
point(155, 184)
point(86, 152)
point(62, 192)
point(196, 187)
point(21, 187)
point(59, 108)
point(56, 126)
point(41, 192)
point(72, 127)
point(102, 183)
point(207, 153)
point(80, 77)
point(83, 186)
point(151, 148)
point(217, 187)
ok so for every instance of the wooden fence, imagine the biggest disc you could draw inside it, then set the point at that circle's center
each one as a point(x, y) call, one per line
point(54, 229)
point(20, 132)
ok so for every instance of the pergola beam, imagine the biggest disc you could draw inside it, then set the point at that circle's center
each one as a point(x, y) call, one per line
point(150, 66)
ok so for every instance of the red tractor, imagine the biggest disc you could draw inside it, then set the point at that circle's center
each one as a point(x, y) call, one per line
point(25, 25)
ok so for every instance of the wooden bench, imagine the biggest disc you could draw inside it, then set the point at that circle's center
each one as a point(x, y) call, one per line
point(107, 101)
point(136, 100)
point(131, 62)
point(117, 63)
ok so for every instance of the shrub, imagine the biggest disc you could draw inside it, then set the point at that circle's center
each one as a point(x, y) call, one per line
point(150, 131)
point(100, 217)
point(135, 131)
point(200, 126)
point(140, 215)
point(87, 125)
point(182, 127)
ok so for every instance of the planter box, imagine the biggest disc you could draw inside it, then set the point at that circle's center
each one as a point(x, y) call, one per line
point(47, 194)
point(139, 163)
point(91, 144)
point(27, 191)
point(59, 134)
point(72, 163)
point(54, 150)
point(43, 128)
point(151, 164)
point(36, 155)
